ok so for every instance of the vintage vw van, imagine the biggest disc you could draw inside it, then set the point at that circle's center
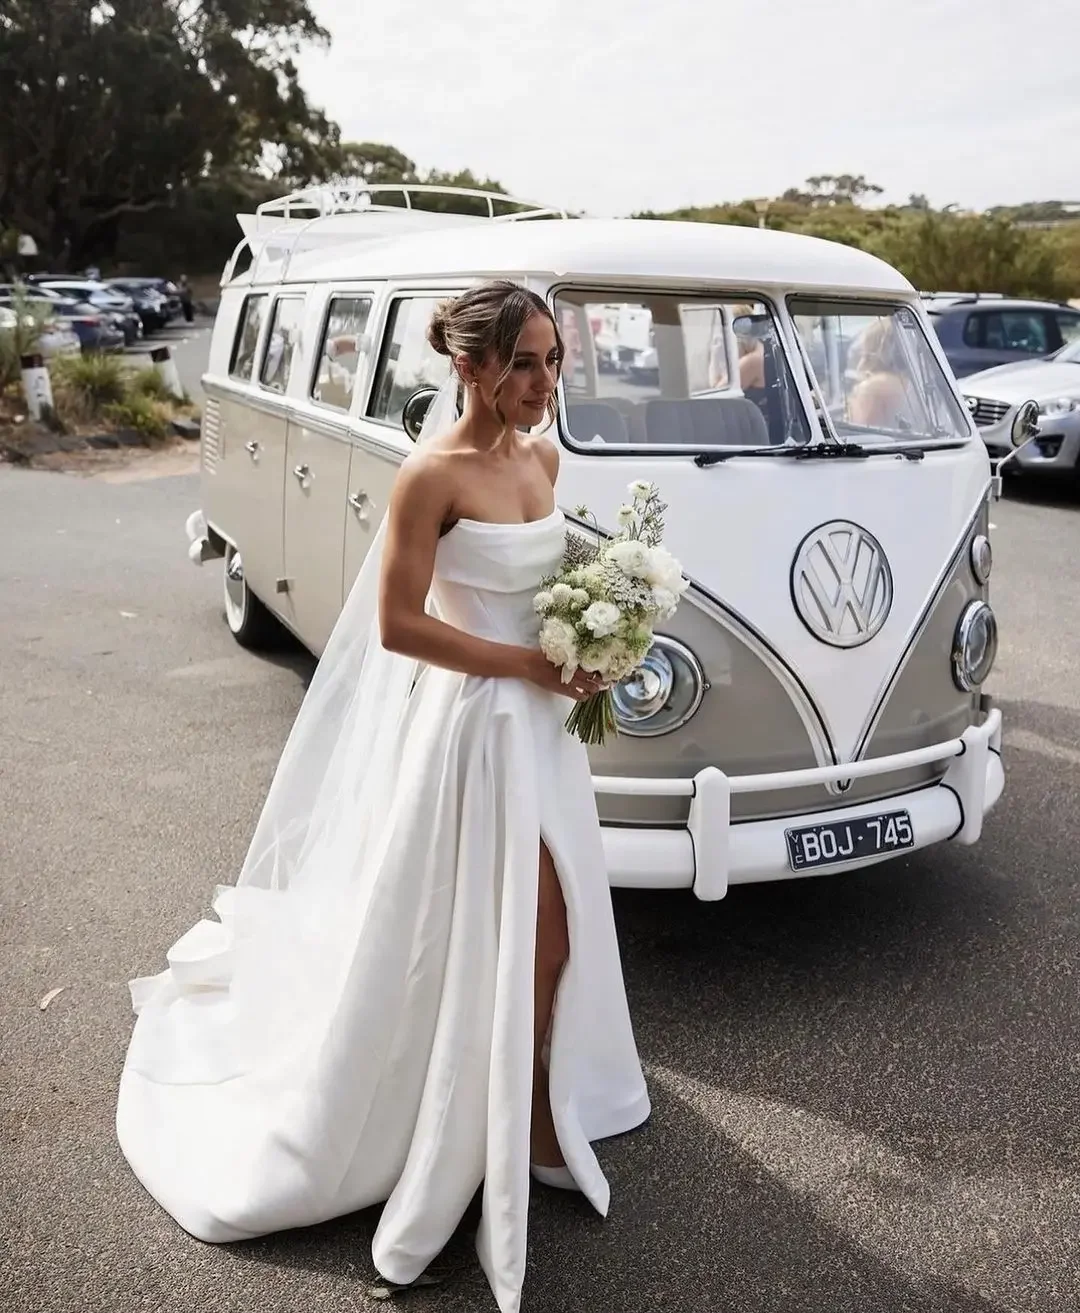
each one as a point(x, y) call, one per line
point(816, 705)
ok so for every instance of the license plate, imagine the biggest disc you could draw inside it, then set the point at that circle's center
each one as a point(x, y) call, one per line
point(848, 841)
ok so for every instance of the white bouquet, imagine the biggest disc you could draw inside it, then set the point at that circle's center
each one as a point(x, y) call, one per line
point(598, 611)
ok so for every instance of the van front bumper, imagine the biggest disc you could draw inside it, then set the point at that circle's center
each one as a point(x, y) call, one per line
point(712, 852)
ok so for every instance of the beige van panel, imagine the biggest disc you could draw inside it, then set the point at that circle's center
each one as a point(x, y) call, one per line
point(372, 470)
point(242, 498)
point(316, 485)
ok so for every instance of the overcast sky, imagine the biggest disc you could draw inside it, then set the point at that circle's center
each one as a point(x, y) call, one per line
point(611, 106)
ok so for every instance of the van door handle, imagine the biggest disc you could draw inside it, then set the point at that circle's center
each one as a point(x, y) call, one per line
point(252, 449)
point(303, 473)
point(359, 501)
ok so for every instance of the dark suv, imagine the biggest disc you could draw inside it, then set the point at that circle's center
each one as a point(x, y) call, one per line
point(979, 331)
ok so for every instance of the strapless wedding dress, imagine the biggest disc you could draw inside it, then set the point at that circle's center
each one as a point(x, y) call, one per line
point(310, 1058)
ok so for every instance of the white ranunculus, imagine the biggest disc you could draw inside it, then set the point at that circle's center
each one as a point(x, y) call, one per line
point(543, 601)
point(664, 571)
point(558, 642)
point(579, 597)
point(561, 594)
point(640, 489)
point(602, 618)
point(633, 558)
point(626, 515)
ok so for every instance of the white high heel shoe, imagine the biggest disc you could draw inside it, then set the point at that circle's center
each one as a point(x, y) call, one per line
point(558, 1177)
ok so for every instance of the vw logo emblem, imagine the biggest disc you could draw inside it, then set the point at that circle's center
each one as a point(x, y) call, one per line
point(841, 584)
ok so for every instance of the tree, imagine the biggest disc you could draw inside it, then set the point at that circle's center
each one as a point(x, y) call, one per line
point(375, 163)
point(840, 189)
point(114, 107)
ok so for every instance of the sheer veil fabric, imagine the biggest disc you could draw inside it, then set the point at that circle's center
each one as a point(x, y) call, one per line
point(356, 1025)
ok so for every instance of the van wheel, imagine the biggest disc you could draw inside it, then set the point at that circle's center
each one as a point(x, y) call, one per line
point(251, 623)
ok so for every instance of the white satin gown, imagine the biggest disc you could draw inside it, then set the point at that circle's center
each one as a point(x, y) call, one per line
point(413, 1085)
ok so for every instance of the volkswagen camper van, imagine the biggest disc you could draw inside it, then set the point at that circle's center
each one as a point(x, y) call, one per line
point(816, 705)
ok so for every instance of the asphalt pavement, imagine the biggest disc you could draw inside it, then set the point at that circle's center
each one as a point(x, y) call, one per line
point(866, 1088)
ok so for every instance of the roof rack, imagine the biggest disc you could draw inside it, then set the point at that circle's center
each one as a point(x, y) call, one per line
point(350, 209)
point(355, 196)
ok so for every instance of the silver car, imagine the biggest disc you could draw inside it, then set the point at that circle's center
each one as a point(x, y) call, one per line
point(995, 395)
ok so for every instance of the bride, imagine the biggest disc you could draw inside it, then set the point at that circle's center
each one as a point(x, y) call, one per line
point(414, 988)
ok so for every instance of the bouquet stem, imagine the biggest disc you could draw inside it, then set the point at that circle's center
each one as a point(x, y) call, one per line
point(593, 719)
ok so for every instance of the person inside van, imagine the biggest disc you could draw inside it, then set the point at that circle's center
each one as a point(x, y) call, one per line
point(880, 398)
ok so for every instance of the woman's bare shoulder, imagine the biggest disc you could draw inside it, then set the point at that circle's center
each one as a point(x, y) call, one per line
point(546, 451)
point(426, 482)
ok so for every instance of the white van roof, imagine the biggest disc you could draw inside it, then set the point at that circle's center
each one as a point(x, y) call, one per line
point(354, 235)
point(583, 249)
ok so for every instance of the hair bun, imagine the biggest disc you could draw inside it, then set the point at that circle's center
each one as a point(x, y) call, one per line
point(436, 333)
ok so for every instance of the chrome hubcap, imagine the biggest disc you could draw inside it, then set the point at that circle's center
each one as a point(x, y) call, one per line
point(235, 589)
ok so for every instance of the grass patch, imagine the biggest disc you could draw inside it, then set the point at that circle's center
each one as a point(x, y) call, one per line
point(138, 412)
point(94, 380)
point(149, 383)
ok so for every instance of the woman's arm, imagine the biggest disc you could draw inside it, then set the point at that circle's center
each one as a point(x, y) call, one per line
point(419, 507)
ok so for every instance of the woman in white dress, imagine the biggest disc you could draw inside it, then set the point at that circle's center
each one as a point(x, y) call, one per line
point(414, 988)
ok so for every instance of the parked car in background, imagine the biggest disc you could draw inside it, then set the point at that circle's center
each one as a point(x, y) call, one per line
point(151, 303)
point(993, 397)
point(165, 286)
point(56, 337)
point(109, 301)
point(979, 331)
point(94, 331)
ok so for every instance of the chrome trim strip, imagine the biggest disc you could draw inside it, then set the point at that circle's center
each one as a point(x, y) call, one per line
point(685, 786)
point(877, 710)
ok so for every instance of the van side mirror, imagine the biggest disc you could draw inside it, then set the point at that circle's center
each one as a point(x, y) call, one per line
point(415, 410)
point(1025, 425)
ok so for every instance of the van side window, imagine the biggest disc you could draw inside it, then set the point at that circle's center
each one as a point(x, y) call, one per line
point(407, 360)
point(284, 331)
point(247, 338)
point(340, 351)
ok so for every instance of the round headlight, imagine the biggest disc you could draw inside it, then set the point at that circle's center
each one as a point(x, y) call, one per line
point(982, 558)
point(662, 693)
point(974, 647)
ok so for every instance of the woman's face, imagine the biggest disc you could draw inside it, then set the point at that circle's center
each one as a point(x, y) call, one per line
point(530, 381)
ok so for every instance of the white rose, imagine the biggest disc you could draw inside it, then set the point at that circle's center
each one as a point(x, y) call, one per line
point(558, 642)
point(626, 515)
point(633, 558)
point(542, 602)
point(640, 489)
point(602, 618)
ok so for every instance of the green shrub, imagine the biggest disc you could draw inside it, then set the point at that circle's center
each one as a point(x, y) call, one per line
point(140, 413)
point(96, 380)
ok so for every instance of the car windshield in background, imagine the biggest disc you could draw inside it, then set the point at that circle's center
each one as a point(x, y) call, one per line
point(876, 372)
point(675, 372)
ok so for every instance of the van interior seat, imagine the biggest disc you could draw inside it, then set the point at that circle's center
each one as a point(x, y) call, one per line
point(595, 419)
point(706, 422)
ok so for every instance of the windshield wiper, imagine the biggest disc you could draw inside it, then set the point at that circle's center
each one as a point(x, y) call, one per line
point(812, 451)
point(805, 451)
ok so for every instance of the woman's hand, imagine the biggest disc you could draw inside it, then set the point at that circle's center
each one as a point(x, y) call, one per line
point(583, 684)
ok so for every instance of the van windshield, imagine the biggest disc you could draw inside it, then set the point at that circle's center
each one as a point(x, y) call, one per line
point(876, 372)
point(675, 372)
